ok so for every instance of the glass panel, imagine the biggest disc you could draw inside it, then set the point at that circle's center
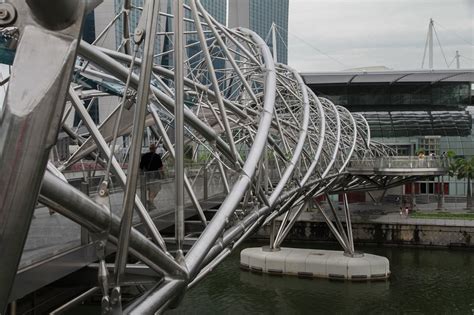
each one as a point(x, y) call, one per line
point(423, 188)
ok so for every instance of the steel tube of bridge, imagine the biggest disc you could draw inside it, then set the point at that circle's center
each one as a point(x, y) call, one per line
point(354, 138)
point(291, 222)
point(334, 231)
point(179, 123)
point(348, 222)
point(318, 138)
point(215, 83)
point(322, 133)
point(152, 7)
point(126, 10)
point(226, 51)
point(110, 65)
point(29, 123)
point(105, 150)
point(301, 139)
point(187, 183)
point(78, 207)
point(155, 298)
point(336, 218)
point(159, 70)
point(197, 253)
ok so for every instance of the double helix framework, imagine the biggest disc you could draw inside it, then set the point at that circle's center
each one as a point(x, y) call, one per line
point(271, 142)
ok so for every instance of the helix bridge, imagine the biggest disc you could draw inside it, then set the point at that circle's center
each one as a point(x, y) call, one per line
point(270, 143)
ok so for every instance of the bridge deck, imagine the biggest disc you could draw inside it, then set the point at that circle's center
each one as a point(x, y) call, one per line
point(400, 166)
point(56, 240)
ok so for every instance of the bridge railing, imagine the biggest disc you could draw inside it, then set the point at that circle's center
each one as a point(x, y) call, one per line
point(411, 162)
point(362, 164)
point(404, 162)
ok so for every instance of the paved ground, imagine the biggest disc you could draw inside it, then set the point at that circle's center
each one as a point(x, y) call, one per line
point(52, 234)
point(390, 213)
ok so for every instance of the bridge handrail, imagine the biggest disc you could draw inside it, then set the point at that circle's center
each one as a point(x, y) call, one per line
point(400, 162)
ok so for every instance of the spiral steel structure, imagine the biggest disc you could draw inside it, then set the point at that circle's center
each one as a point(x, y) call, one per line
point(274, 144)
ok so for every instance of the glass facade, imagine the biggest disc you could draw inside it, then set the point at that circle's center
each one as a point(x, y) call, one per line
point(406, 109)
point(419, 123)
point(265, 12)
point(462, 146)
point(217, 8)
point(445, 96)
point(435, 117)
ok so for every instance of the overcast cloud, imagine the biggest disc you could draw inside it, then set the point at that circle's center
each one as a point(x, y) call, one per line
point(391, 33)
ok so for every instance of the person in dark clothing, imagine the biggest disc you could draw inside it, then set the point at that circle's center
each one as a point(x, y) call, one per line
point(152, 166)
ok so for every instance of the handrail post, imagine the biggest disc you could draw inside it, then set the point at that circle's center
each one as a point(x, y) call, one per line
point(205, 183)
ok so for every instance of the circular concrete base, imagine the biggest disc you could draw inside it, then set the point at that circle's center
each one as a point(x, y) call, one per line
point(315, 263)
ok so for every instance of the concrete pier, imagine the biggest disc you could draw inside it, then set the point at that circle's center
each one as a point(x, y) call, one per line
point(315, 263)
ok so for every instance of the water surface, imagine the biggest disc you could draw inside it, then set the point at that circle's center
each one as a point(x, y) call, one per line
point(423, 281)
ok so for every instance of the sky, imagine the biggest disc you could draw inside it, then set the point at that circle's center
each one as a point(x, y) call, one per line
point(391, 33)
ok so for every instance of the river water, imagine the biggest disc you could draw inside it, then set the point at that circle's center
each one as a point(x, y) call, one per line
point(423, 281)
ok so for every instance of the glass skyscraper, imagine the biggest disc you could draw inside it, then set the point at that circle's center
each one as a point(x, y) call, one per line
point(217, 8)
point(259, 15)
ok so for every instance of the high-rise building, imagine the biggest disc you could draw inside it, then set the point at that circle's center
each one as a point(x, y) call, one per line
point(259, 15)
point(96, 21)
point(216, 8)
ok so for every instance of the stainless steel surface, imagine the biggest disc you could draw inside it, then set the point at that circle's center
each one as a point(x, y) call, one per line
point(78, 299)
point(30, 121)
point(252, 127)
point(179, 122)
point(151, 10)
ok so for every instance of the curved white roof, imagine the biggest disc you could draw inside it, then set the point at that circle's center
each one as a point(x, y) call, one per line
point(432, 76)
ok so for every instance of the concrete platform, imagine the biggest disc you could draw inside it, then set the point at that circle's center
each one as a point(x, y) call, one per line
point(315, 263)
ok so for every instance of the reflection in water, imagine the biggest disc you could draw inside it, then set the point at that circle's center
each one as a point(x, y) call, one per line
point(422, 281)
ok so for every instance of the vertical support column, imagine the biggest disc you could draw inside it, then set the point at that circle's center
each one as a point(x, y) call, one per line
point(339, 226)
point(430, 44)
point(348, 223)
point(205, 183)
point(442, 192)
point(127, 7)
point(413, 196)
point(338, 234)
point(266, 172)
point(143, 192)
point(274, 44)
point(439, 194)
point(151, 10)
point(272, 233)
point(458, 64)
point(179, 123)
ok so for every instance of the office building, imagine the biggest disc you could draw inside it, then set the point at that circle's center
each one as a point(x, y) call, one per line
point(259, 15)
point(430, 110)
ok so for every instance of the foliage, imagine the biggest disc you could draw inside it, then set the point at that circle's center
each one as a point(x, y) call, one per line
point(450, 154)
point(462, 168)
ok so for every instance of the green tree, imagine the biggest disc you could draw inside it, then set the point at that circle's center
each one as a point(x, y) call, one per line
point(463, 168)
